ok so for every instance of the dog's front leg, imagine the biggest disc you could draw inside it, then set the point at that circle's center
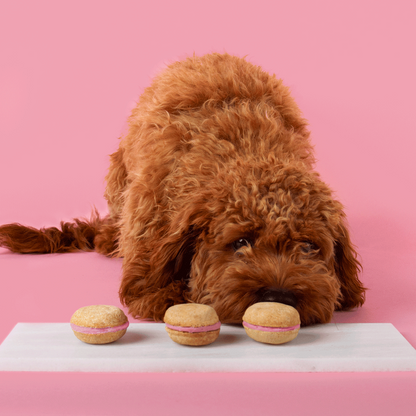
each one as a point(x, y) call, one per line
point(145, 300)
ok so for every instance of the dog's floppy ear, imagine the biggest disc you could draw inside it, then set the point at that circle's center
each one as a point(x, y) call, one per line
point(347, 268)
point(155, 278)
point(172, 256)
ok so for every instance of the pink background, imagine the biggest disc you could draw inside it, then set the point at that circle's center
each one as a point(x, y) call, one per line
point(70, 73)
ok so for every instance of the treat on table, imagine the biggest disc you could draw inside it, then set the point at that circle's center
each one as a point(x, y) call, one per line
point(271, 322)
point(99, 324)
point(192, 324)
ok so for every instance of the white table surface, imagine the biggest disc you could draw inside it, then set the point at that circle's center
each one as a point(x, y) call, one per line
point(146, 347)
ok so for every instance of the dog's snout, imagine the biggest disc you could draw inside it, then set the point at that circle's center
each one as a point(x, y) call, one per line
point(281, 295)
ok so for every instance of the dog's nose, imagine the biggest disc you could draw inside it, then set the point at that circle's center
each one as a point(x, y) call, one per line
point(281, 295)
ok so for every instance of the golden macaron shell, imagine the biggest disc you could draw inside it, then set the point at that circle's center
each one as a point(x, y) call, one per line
point(192, 324)
point(271, 322)
point(99, 324)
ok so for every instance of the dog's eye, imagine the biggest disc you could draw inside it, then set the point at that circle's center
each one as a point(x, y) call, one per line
point(241, 242)
point(309, 247)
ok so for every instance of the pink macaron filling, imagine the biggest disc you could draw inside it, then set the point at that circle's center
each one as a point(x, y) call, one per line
point(87, 330)
point(195, 329)
point(270, 328)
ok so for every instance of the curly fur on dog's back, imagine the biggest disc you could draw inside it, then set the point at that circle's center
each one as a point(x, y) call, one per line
point(210, 95)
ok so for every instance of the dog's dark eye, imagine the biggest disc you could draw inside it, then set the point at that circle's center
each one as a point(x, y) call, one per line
point(241, 242)
point(309, 247)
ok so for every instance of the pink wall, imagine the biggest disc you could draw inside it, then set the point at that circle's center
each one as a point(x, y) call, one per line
point(70, 72)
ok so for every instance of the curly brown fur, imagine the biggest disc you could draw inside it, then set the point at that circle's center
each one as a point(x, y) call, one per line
point(213, 199)
point(97, 234)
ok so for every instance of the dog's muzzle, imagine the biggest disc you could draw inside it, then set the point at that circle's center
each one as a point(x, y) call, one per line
point(280, 295)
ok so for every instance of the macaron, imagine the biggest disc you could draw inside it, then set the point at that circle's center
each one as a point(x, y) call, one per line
point(99, 324)
point(192, 324)
point(271, 322)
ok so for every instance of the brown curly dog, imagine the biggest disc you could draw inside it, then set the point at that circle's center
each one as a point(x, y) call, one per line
point(213, 199)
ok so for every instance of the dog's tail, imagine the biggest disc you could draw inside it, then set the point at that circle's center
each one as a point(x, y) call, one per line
point(99, 234)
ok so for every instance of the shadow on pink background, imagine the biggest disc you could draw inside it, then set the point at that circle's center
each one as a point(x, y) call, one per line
point(70, 73)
